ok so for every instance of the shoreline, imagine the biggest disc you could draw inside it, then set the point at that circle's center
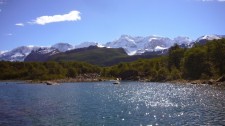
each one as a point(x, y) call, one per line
point(70, 80)
point(198, 82)
point(219, 81)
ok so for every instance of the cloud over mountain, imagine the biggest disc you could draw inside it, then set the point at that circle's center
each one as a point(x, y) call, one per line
point(71, 16)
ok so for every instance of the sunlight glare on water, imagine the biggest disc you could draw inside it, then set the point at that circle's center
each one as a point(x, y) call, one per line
point(102, 103)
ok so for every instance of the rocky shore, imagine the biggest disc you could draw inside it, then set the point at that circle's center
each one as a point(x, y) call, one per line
point(219, 81)
point(79, 78)
point(97, 78)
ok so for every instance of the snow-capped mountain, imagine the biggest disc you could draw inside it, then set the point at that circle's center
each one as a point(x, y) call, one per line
point(1, 52)
point(41, 54)
point(126, 42)
point(139, 45)
point(133, 45)
point(87, 44)
point(47, 50)
point(203, 39)
point(208, 37)
point(62, 47)
point(17, 54)
point(20, 53)
point(184, 42)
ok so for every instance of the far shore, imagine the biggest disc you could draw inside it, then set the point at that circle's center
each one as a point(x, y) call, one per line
point(210, 82)
point(219, 81)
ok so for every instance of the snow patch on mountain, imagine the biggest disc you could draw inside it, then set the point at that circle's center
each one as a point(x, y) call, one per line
point(159, 48)
point(2, 52)
point(62, 47)
point(208, 37)
point(133, 45)
point(126, 42)
point(47, 50)
point(42, 54)
point(138, 45)
point(17, 54)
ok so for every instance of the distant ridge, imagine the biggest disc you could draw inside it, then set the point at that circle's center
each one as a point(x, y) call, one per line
point(93, 55)
point(131, 45)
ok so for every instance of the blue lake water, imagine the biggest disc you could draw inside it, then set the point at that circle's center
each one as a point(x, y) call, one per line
point(102, 103)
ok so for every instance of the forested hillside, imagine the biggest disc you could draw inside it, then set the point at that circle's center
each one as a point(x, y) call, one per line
point(200, 62)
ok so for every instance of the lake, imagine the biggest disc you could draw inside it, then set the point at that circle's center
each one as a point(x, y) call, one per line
point(102, 103)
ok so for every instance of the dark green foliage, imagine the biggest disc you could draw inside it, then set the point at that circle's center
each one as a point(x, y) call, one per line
point(216, 54)
point(175, 74)
point(205, 61)
point(175, 56)
point(194, 63)
point(71, 72)
point(36, 71)
point(44, 71)
point(129, 75)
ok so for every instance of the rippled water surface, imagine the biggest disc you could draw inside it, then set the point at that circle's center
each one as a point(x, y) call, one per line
point(102, 103)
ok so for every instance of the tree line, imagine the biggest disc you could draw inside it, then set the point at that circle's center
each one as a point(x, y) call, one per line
point(199, 62)
point(44, 70)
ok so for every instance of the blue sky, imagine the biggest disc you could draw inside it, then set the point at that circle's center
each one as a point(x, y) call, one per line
point(46, 22)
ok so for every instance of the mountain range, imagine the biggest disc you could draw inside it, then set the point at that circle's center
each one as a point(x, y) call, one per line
point(100, 56)
point(132, 45)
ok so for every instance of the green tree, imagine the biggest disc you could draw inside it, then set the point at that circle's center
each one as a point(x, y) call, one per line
point(217, 55)
point(175, 56)
point(71, 72)
point(195, 63)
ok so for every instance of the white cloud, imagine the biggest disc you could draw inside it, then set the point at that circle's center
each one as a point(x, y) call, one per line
point(71, 16)
point(19, 24)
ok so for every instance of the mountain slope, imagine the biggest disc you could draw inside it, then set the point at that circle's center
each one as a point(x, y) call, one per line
point(132, 45)
point(62, 47)
point(41, 54)
point(92, 54)
point(20, 53)
point(17, 54)
point(139, 45)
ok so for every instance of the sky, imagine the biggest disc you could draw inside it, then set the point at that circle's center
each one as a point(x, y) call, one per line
point(46, 22)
